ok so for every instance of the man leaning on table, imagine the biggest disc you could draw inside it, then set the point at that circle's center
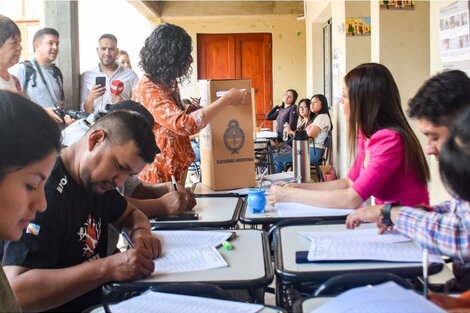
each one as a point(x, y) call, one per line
point(443, 228)
point(61, 261)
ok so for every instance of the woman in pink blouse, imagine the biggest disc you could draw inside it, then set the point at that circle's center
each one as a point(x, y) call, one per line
point(166, 60)
point(389, 163)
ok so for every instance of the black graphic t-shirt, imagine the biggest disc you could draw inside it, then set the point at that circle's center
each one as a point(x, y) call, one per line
point(71, 231)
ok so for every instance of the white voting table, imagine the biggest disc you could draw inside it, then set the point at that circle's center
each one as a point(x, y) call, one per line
point(271, 216)
point(213, 212)
point(290, 275)
point(287, 241)
point(200, 190)
point(249, 267)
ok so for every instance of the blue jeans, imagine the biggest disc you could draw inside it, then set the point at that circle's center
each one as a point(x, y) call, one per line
point(281, 159)
point(196, 150)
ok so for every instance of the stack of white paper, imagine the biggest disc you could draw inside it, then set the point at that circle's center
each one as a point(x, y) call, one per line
point(385, 298)
point(158, 302)
point(364, 244)
point(360, 235)
point(339, 250)
point(293, 209)
point(185, 251)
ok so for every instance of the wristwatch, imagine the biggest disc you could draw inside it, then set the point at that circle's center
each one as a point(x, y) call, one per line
point(386, 218)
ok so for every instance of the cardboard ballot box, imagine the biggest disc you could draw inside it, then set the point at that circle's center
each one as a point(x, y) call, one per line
point(227, 148)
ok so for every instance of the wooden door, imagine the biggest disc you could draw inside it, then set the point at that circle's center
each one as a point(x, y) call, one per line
point(226, 56)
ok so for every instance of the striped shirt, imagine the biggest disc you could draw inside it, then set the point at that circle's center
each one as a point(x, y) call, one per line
point(445, 230)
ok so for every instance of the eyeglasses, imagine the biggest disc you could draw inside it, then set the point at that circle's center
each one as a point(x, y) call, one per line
point(302, 107)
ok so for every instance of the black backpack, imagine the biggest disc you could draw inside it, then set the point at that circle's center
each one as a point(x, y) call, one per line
point(30, 72)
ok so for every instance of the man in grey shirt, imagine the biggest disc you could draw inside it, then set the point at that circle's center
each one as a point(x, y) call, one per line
point(40, 78)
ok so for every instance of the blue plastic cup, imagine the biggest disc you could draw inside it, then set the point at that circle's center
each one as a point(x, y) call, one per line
point(256, 200)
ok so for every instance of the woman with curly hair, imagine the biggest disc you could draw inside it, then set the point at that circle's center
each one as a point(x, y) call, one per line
point(166, 61)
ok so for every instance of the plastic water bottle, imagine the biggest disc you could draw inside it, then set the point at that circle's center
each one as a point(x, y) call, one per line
point(285, 133)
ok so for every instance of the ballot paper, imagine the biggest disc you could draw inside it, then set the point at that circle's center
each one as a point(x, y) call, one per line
point(348, 250)
point(159, 302)
point(294, 209)
point(361, 235)
point(384, 298)
point(187, 251)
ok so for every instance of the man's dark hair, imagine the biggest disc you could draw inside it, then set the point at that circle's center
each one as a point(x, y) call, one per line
point(28, 133)
point(8, 29)
point(441, 98)
point(45, 31)
point(122, 126)
point(108, 36)
point(453, 158)
point(130, 105)
point(166, 55)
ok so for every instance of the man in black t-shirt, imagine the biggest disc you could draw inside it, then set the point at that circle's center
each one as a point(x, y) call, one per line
point(61, 261)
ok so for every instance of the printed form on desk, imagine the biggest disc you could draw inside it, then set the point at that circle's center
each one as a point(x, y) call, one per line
point(293, 209)
point(349, 250)
point(384, 298)
point(159, 302)
point(186, 251)
point(356, 235)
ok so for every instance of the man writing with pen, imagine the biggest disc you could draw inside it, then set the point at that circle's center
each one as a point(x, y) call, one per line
point(61, 260)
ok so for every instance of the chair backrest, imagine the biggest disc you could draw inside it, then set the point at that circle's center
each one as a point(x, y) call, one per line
point(343, 282)
point(326, 156)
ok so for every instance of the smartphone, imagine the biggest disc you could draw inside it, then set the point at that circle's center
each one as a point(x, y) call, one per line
point(101, 80)
point(183, 216)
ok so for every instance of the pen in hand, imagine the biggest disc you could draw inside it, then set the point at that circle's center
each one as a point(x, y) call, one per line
point(127, 239)
point(173, 180)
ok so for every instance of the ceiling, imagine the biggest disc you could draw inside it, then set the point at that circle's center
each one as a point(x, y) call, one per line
point(172, 9)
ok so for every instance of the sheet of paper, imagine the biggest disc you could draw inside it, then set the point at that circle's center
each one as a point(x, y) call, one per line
point(361, 235)
point(189, 260)
point(338, 250)
point(159, 302)
point(183, 239)
point(293, 209)
point(223, 92)
point(385, 298)
point(189, 250)
point(283, 176)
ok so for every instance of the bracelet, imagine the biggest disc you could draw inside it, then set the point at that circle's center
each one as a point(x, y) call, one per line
point(138, 228)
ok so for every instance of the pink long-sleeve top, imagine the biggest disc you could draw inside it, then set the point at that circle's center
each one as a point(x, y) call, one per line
point(385, 176)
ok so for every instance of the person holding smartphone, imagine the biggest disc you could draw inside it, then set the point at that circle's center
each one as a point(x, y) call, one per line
point(96, 83)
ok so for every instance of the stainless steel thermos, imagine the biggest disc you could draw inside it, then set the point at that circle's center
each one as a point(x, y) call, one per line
point(301, 156)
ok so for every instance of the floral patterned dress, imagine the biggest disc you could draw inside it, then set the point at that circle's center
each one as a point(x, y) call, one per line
point(173, 126)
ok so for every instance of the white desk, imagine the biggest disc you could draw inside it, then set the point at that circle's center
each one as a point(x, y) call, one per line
point(249, 266)
point(287, 241)
point(271, 216)
point(213, 212)
point(266, 309)
point(311, 304)
point(200, 190)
